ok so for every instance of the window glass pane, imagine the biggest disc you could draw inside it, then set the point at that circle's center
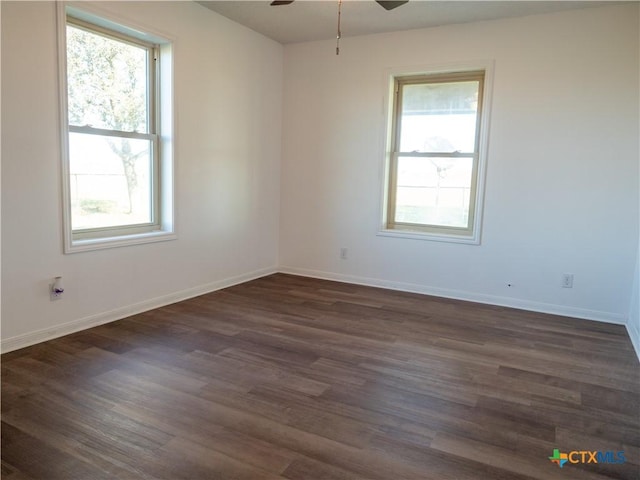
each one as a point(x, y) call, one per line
point(107, 82)
point(433, 191)
point(110, 182)
point(439, 117)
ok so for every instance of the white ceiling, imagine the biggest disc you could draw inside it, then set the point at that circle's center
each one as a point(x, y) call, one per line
point(307, 20)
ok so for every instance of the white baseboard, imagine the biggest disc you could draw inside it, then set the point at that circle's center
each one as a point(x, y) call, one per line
point(31, 338)
point(634, 335)
point(607, 317)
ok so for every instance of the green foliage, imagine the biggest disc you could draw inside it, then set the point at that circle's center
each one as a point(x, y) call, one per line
point(107, 88)
point(106, 80)
point(90, 206)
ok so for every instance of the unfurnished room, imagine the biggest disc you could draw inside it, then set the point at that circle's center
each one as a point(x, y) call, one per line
point(341, 239)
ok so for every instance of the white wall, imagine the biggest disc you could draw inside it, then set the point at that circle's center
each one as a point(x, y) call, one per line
point(228, 91)
point(562, 172)
point(633, 326)
point(562, 180)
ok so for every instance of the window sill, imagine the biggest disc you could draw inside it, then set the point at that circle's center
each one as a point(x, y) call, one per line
point(87, 245)
point(432, 237)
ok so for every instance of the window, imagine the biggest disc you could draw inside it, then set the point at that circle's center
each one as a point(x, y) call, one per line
point(117, 169)
point(434, 159)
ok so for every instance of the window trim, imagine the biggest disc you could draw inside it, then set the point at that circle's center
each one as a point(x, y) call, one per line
point(452, 72)
point(161, 132)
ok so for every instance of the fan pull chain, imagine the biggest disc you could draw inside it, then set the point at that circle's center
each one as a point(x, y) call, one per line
point(339, 32)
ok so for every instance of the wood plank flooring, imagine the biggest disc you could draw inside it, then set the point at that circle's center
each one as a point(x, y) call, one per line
point(297, 378)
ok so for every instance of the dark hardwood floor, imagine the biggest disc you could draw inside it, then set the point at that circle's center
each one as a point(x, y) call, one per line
point(290, 377)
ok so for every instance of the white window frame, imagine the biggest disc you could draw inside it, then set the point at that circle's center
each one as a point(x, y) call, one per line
point(471, 235)
point(160, 133)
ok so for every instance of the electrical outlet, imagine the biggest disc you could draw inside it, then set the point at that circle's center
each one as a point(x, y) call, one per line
point(343, 253)
point(53, 296)
point(56, 289)
point(567, 280)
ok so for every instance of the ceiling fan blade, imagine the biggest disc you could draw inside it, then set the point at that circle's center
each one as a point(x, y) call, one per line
point(275, 3)
point(390, 5)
